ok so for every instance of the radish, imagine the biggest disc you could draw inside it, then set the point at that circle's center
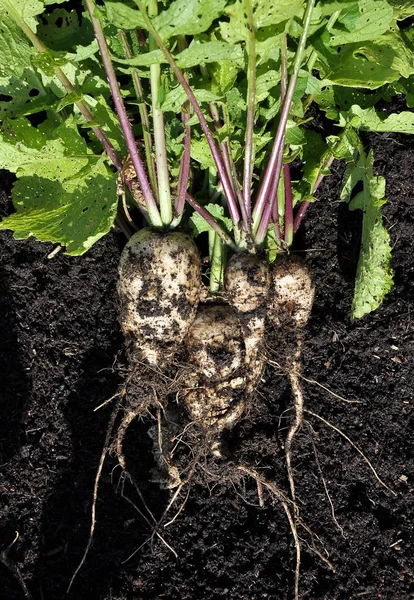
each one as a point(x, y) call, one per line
point(247, 282)
point(159, 289)
point(292, 296)
point(214, 345)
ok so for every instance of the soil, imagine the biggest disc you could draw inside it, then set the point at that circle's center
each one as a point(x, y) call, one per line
point(61, 356)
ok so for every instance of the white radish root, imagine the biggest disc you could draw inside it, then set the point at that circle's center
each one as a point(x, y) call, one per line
point(159, 290)
point(214, 345)
point(292, 296)
point(247, 283)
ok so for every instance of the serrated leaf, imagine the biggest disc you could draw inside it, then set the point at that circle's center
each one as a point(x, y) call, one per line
point(197, 53)
point(182, 17)
point(24, 150)
point(368, 64)
point(23, 95)
point(74, 213)
point(108, 121)
point(25, 9)
point(206, 52)
point(123, 16)
point(188, 17)
point(15, 50)
point(374, 273)
point(64, 30)
point(266, 13)
point(200, 152)
point(223, 75)
point(369, 119)
point(265, 82)
point(177, 97)
point(402, 8)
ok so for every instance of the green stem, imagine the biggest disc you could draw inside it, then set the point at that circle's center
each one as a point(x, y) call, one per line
point(227, 188)
point(251, 97)
point(217, 255)
point(143, 113)
point(164, 192)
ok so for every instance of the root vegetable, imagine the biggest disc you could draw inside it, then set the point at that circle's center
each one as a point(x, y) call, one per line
point(159, 289)
point(214, 345)
point(292, 296)
point(247, 283)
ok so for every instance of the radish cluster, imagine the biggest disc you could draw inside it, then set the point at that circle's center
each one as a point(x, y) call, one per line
point(217, 343)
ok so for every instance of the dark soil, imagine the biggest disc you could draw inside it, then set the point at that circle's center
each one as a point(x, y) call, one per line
point(60, 357)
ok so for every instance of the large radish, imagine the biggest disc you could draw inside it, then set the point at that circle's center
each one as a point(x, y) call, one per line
point(159, 290)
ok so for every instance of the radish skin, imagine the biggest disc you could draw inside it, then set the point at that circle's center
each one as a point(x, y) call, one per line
point(159, 289)
point(291, 303)
point(214, 345)
point(247, 283)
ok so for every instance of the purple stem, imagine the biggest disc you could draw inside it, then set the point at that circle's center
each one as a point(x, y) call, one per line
point(288, 205)
point(210, 220)
point(185, 162)
point(274, 166)
point(123, 119)
point(218, 159)
point(225, 149)
point(251, 97)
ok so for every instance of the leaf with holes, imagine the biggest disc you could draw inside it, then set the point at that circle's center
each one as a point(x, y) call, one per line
point(74, 213)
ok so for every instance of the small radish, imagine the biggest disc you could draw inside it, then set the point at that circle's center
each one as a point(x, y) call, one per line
point(292, 295)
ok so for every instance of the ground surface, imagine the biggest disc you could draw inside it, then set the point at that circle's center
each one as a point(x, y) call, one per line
point(60, 349)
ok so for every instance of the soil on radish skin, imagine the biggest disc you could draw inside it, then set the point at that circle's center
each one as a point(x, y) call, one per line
point(60, 351)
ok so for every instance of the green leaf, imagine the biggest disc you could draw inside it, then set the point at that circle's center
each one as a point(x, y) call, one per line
point(26, 151)
point(197, 53)
point(123, 16)
point(370, 120)
point(374, 273)
point(23, 95)
point(177, 97)
point(402, 8)
point(24, 9)
point(374, 18)
point(188, 17)
point(206, 52)
point(223, 75)
point(200, 152)
point(182, 17)
point(64, 30)
point(108, 121)
point(266, 13)
point(75, 213)
point(199, 225)
point(15, 50)
point(64, 193)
